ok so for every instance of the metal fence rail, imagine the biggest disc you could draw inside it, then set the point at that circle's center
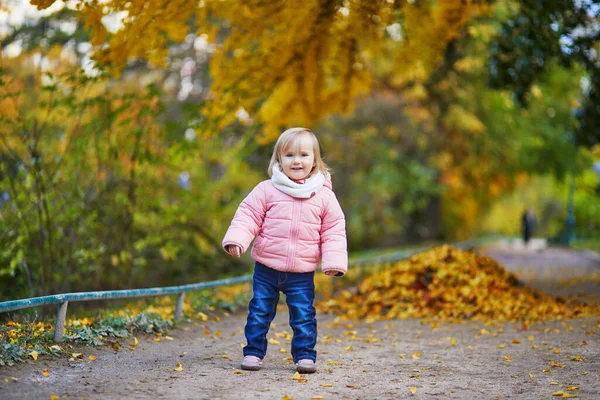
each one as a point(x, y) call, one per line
point(63, 299)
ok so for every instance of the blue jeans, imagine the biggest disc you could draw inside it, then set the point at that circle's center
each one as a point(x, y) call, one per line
point(299, 289)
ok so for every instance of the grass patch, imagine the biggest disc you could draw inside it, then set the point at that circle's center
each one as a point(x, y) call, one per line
point(25, 336)
point(590, 244)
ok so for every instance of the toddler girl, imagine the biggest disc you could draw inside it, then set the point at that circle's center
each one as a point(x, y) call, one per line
point(297, 222)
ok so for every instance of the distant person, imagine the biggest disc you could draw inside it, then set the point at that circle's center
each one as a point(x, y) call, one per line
point(528, 225)
point(299, 223)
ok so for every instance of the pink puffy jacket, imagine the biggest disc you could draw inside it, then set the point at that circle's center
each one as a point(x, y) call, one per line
point(293, 234)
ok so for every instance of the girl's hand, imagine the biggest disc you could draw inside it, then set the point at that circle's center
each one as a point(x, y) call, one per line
point(234, 250)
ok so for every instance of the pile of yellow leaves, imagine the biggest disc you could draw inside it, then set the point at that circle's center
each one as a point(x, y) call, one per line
point(450, 283)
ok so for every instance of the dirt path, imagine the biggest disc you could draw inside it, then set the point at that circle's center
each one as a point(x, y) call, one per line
point(554, 270)
point(383, 360)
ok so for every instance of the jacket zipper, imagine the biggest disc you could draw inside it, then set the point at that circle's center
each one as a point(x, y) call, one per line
point(296, 214)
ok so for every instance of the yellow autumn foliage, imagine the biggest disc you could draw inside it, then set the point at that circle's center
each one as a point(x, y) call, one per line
point(461, 120)
point(286, 63)
point(451, 283)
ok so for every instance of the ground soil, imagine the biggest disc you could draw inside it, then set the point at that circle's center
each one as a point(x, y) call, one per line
point(381, 360)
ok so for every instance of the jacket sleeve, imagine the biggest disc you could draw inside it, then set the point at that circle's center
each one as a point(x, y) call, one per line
point(248, 220)
point(333, 239)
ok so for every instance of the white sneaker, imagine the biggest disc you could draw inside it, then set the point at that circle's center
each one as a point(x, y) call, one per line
point(251, 363)
point(306, 367)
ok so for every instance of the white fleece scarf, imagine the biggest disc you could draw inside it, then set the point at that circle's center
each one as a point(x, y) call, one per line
point(305, 190)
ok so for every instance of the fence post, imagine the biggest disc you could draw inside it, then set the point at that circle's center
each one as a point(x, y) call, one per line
point(179, 305)
point(61, 314)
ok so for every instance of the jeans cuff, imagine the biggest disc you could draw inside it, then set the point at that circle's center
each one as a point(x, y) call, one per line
point(313, 359)
point(251, 353)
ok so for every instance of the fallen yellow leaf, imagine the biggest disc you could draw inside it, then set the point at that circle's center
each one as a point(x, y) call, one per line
point(349, 348)
point(531, 376)
point(202, 316)
point(413, 390)
point(530, 338)
point(238, 372)
point(34, 355)
point(326, 384)
point(77, 355)
point(554, 383)
point(301, 379)
point(564, 394)
point(178, 367)
point(557, 351)
point(273, 341)
point(453, 342)
point(507, 358)
point(416, 354)
point(317, 398)
point(573, 388)
point(134, 343)
point(534, 346)
point(168, 338)
point(45, 372)
point(351, 386)
point(576, 358)
point(54, 397)
point(517, 341)
point(501, 346)
point(92, 358)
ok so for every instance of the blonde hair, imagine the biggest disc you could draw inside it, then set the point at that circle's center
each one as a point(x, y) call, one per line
point(291, 137)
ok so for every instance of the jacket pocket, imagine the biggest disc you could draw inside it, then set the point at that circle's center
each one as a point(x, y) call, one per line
point(259, 245)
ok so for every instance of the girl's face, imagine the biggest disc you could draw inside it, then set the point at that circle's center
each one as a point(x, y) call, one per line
point(298, 159)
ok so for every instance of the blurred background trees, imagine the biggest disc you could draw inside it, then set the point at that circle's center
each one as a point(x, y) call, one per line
point(130, 131)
